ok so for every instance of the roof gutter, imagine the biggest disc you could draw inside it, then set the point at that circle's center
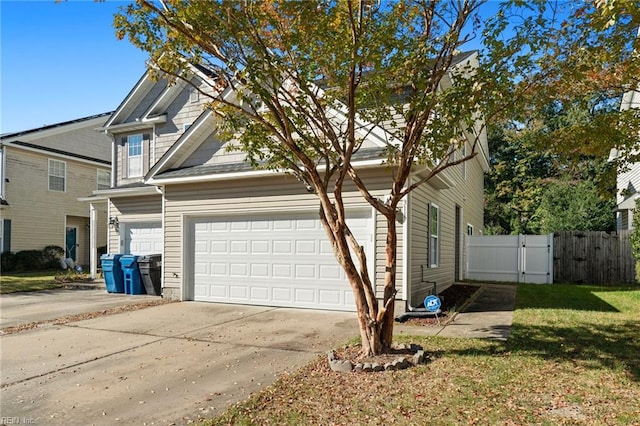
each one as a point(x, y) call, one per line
point(239, 175)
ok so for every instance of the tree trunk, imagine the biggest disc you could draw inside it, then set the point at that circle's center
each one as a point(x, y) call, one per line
point(387, 313)
point(376, 321)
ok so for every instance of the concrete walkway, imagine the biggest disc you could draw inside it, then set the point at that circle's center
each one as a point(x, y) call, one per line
point(488, 316)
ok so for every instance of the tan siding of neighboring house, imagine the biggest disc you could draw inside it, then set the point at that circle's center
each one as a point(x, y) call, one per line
point(38, 215)
point(84, 141)
point(262, 195)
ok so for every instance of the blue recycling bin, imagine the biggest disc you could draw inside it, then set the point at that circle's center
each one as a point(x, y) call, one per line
point(112, 272)
point(132, 278)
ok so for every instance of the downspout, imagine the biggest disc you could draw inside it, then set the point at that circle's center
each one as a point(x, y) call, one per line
point(160, 190)
point(114, 159)
point(3, 171)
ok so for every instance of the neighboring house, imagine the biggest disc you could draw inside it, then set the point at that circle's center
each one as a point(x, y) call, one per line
point(628, 180)
point(43, 172)
point(229, 233)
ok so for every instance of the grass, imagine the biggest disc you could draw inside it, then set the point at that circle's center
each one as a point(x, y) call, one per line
point(572, 359)
point(29, 281)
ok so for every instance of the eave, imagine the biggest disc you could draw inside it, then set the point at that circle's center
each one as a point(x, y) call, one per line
point(145, 123)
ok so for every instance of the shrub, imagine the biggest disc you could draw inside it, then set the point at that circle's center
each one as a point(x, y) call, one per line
point(7, 261)
point(29, 260)
point(51, 256)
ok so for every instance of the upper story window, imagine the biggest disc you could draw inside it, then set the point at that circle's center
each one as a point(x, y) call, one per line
point(194, 95)
point(134, 155)
point(103, 179)
point(469, 229)
point(57, 175)
point(434, 235)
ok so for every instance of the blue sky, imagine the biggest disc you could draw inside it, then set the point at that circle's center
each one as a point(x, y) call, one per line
point(62, 61)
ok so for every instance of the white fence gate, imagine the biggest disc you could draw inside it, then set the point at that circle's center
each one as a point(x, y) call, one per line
point(510, 258)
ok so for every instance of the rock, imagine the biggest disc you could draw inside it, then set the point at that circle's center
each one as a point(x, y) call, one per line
point(367, 367)
point(342, 366)
point(377, 367)
point(401, 363)
point(416, 348)
point(331, 355)
point(359, 366)
point(418, 357)
point(389, 366)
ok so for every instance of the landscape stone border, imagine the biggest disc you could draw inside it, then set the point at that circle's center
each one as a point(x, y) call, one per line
point(400, 363)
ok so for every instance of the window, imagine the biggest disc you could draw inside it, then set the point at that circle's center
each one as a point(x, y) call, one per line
point(104, 179)
point(134, 156)
point(434, 235)
point(469, 229)
point(194, 95)
point(57, 175)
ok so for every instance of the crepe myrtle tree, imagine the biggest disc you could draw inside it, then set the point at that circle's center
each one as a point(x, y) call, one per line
point(299, 86)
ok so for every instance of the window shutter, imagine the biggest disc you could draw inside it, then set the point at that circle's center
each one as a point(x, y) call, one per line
point(123, 156)
point(146, 155)
point(428, 235)
point(6, 237)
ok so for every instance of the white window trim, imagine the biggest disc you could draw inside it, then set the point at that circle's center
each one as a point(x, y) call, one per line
point(432, 236)
point(49, 176)
point(141, 156)
point(469, 228)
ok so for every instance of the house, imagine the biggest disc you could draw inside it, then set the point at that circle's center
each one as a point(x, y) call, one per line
point(229, 233)
point(628, 180)
point(43, 173)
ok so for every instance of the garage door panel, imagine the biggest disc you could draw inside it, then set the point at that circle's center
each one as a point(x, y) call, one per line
point(143, 238)
point(276, 260)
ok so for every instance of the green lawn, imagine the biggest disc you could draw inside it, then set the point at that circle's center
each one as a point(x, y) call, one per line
point(573, 358)
point(28, 281)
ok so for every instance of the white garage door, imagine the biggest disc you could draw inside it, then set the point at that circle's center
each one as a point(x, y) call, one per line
point(274, 260)
point(143, 238)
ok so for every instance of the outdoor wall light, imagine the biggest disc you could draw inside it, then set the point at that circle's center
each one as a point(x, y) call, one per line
point(114, 223)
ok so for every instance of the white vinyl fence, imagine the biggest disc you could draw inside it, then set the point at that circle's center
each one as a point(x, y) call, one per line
point(510, 258)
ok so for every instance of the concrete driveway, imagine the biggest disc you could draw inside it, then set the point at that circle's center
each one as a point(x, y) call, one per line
point(37, 306)
point(166, 364)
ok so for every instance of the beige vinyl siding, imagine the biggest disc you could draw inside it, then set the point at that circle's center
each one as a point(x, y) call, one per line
point(146, 208)
point(145, 103)
point(84, 141)
point(38, 216)
point(466, 193)
point(247, 196)
point(180, 111)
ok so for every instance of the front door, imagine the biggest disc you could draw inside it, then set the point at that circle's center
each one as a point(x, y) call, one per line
point(71, 242)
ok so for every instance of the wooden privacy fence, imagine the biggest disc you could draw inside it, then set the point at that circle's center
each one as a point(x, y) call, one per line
point(593, 257)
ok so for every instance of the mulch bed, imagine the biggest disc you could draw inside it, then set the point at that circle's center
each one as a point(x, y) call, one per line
point(452, 299)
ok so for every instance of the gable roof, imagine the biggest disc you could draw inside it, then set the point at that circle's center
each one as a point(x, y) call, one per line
point(169, 165)
point(85, 145)
point(54, 128)
point(33, 147)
